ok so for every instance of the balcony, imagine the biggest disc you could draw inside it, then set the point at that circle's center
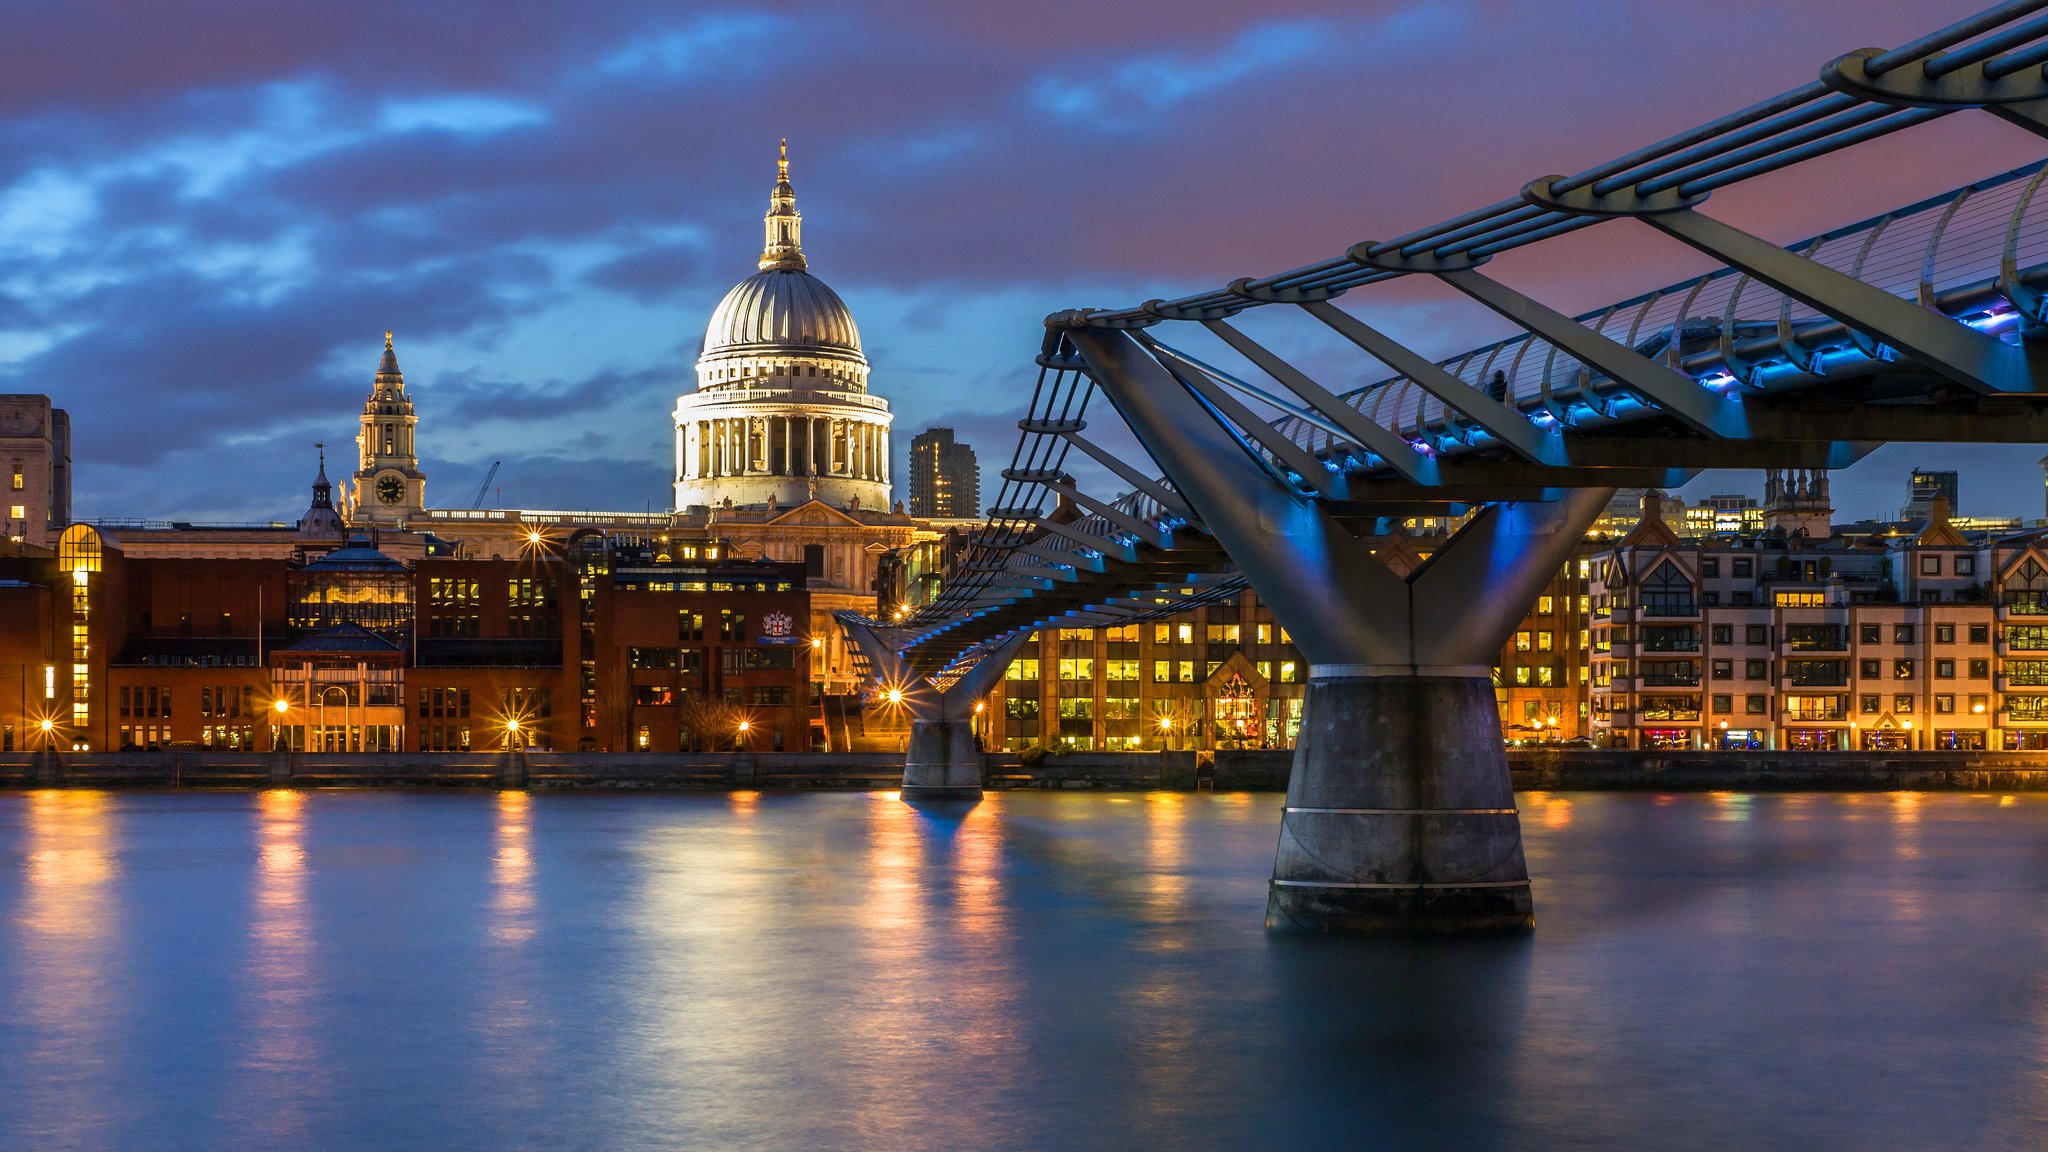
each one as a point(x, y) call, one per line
point(1668, 608)
point(2021, 605)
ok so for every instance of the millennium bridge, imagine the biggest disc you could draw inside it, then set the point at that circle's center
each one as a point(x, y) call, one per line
point(1929, 323)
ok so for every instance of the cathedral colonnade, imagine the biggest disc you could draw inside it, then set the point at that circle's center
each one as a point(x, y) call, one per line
point(796, 444)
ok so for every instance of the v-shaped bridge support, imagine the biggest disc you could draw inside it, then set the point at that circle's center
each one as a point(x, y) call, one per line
point(1400, 814)
point(941, 762)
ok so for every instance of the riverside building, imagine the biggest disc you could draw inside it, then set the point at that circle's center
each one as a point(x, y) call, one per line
point(603, 643)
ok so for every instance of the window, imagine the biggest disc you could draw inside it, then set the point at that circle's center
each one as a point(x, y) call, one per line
point(1743, 567)
point(1814, 708)
point(1966, 565)
point(1724, 703)
point(1543, 676)
point(1265, 633)
point(2026, 637)
point(1930, 565)
point(1287, 672)
point(1902, 704)
point(1185, 670)
point(1522, 641)
point(1162, 671)
point(1545, 641)
point(1724, 633)
point(1757, 634)
point(1944, 669)
point(1710, 567)
point(1902, 669)
point(1545, 605)
point(1944, 704)
point(1667, 593)
point(1980, 669)
point(1902, 633)
point(1870, 669)
point(1022, 668)
point(1788, 599)
point(1979, 704)
point(1870, 705)
point(1870, 633)
point(1980, 633)
point(1162, 633)
point(1184, 633)
point(1944, 633)
point(1753, 705)
point(1522, 675)
point(1756, 670)
point(20, 481)
point(1723, 670)
point(17, 511)
point(1077, 668)
point(1223, 633)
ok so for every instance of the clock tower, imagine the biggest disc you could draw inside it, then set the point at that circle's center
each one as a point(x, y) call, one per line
point(389, 486)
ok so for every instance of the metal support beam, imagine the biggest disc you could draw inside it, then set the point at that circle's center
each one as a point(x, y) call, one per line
point(1957, 351)
point(1500, 421)
point(1165, 497)
point(1399, 455)
point(1247, 427)
point(1149, 533)
point(1699, 407)
point(1293, 551)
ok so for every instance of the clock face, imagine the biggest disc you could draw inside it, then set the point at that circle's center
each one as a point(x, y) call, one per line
point(390, 489)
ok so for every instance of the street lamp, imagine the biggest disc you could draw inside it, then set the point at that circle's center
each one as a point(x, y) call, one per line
point(512, 733)
point(895, 695)
point(745, 726)
point(279, 706)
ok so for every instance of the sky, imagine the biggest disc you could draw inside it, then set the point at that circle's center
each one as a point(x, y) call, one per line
point(211, 212)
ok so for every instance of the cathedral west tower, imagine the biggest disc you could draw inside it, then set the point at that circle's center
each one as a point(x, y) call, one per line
point(389, 485)
point(782, 410)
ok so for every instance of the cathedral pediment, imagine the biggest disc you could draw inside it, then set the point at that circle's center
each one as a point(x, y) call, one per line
point(815, 514)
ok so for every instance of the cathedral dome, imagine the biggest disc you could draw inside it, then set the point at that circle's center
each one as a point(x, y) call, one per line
point(781, 309)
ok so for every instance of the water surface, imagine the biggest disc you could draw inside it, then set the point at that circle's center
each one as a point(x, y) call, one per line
point(832, 970)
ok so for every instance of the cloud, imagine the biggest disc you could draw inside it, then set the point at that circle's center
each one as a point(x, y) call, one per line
point(209, 216)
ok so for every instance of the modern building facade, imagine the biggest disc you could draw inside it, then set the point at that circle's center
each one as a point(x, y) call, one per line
point(945, 480)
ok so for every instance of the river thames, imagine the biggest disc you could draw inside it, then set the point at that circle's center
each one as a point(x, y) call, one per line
point(839, 970)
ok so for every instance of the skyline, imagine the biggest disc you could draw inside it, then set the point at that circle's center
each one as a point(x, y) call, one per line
point(202, 241)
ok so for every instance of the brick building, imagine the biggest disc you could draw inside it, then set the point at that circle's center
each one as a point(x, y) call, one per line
point(604, 643)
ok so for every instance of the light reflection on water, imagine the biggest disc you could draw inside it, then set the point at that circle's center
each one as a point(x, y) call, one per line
point(762, 970)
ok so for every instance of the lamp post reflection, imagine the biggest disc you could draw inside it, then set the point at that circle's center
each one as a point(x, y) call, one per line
point(69, 940)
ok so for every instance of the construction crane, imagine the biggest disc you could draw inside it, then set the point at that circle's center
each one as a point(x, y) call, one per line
point(484, 488)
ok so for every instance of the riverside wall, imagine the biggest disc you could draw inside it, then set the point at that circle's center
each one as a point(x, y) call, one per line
point(1229, 771)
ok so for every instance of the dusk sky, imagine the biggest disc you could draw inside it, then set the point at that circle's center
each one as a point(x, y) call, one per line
point(211, 212)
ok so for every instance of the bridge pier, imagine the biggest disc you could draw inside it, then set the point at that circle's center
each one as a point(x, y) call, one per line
point(1400, 816)
point(1400, 812)
point(941, 761)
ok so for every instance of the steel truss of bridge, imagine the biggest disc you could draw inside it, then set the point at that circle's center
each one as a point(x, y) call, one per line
point(1929, 323)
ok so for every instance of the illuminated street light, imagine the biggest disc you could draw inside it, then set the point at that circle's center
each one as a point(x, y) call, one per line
point(1977, 708)
point(282, 704)
point(48, 726)
point(1166, 723)
point(895, 695)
